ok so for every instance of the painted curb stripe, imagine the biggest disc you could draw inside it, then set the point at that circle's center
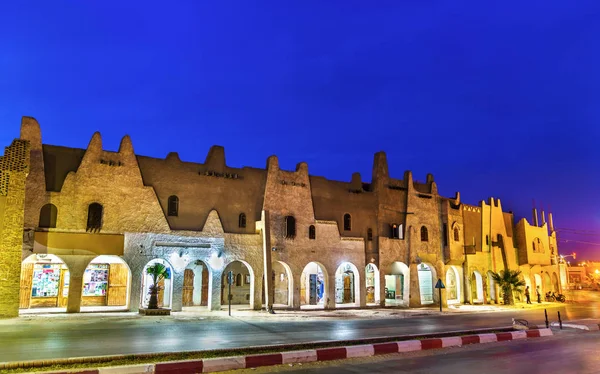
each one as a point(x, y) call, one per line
point(533, 333)
point(453, 341)
point(504, 336)
point(487, 338)
point(183, 367)
point(130, 369)
point(545, 332)
point(409, 346)
point(264, 360)
point(471, 339)
point(519, 335)
point(331, 354)
point(431, 343)
point(360, 351)
point(225, 363)
point(385, 348)
point(299, 356)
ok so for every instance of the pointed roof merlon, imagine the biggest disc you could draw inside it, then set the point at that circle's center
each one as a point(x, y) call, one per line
point(126, 146)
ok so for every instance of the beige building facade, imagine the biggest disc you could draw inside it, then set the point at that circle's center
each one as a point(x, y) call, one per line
point(89, 222)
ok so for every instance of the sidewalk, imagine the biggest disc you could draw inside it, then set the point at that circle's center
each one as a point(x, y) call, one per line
point(284, 315)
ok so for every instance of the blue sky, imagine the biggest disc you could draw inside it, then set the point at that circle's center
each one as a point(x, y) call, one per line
point(493, 99)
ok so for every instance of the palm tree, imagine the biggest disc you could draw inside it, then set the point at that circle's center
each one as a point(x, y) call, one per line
point(158, 272)
point(510, 282)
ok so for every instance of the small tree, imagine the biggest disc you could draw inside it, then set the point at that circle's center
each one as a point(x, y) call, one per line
point(158, 272)
point(509, 282)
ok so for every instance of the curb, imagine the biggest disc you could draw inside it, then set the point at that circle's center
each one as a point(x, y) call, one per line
point(580, 326)
point(311, 355)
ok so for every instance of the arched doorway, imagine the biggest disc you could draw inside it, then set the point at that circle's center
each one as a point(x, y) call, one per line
point(426, 278)
point(547, 284)
point(491, 287)
point(538, 285)
point(453, 294)
point(242, 287)
point(476, 288)
point(165, 292)
point(44, 283)
point(196, 285)
point(106, 283)
point(555, 287)
point(397, 284)
point(283, 285)
point(347, 284)
point(313, 285)
point(372, 284)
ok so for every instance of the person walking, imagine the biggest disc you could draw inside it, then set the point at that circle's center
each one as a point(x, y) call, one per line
point(527, 295)
point(539, 294)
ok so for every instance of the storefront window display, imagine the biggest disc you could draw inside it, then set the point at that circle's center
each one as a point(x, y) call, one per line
point(95, 280)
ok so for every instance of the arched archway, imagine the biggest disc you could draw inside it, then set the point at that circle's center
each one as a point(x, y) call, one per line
point(426, 275)
point(555, 286)
point(453, 291)
point(476, 288)
point(242, 288)
point(165, 293)
point(197, 285)
point(547, 284)
point(106, 283)
point(283, 283)
point(44, 283)
point(372, 284)
point(347, 284)
point(538, 283)
point(313, 285)
point(397, 284)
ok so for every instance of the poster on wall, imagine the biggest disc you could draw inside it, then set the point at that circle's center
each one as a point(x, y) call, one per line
point(95, 280)
point(46, 278)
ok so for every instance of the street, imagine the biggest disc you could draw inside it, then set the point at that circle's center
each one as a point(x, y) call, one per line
point(44, 338)
point(567, 352)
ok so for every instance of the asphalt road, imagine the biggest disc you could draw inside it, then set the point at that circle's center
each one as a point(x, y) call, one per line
point(572, 352)
point(63, 338)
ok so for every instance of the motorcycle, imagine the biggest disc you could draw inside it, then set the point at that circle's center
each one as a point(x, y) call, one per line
point(552, 297)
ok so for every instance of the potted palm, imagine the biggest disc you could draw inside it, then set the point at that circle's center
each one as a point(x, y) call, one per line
point(158, 272)
point(510, 282)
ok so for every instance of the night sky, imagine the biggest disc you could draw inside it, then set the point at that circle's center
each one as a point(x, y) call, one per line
point(494, 100)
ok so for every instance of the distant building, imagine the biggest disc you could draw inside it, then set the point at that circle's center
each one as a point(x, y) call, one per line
point(92, 222)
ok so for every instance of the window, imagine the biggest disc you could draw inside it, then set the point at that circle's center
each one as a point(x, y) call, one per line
point(94, 222)
point(48, 216)
point(290, 227)
point(238, 280)
point(369, 234)
point(312, 234)
point(538, 247)
point(397, 231)
point(424, 234)
point(456, 235)
point(347, 222)
point(487, 240)
point(242, 220)
point(173, 209)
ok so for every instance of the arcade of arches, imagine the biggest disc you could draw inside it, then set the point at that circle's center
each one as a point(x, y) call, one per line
point(107, 282)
